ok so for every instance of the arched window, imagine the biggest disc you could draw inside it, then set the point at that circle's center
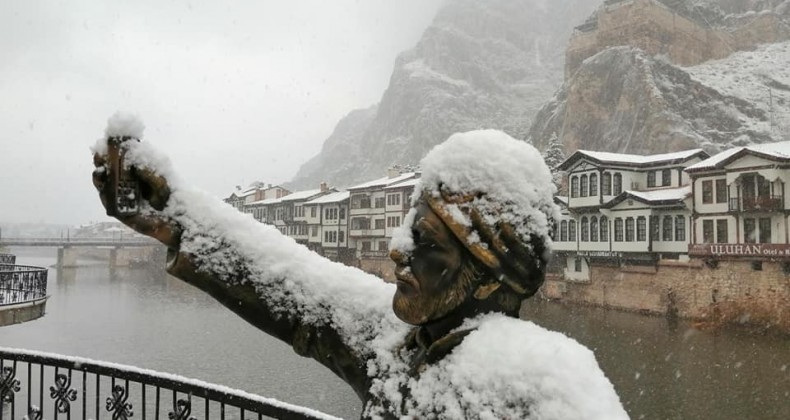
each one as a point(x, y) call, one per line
point(593, 228)
point(564, 231)
point(666, 234)
point(572, 231)
point(680, 228)
point(593, 185)
point(641, 229)
point(574, 186)
point(629, 229)
point(585, 228)
point(617, 184)
point(618, 229)
point(606, 184)
point(604, 229)
point(584, 186)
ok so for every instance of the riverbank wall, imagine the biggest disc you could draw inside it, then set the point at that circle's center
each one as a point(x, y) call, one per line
point(712, 292)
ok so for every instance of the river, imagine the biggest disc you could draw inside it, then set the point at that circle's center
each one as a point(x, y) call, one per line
point(145, 318)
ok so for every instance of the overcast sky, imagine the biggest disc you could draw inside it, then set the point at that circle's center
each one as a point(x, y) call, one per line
point(232, 91)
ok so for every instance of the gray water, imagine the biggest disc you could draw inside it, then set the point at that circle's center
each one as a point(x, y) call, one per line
point(145, 318)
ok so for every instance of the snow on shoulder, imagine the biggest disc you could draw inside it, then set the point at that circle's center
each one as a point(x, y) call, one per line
point(509, 176)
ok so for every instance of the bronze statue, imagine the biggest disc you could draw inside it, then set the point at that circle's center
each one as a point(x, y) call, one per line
point(463, 266)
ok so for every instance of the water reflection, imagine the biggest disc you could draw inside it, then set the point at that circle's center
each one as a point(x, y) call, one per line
point(670, 370)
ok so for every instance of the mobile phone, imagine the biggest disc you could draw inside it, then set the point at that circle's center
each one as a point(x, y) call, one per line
point(123, 189)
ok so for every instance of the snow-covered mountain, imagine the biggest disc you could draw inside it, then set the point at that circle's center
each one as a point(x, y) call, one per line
point(488, 64)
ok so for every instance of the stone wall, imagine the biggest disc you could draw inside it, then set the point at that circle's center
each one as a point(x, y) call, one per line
point(656, 29)
point(718, 291)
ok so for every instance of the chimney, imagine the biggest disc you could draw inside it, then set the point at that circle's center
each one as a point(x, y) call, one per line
point(393, 171)
point(324, 187)
point(270, 185)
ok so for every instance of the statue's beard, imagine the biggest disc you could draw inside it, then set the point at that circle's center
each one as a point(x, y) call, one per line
point(420, 308)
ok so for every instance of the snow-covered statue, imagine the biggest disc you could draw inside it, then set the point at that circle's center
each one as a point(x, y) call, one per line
point(445, 341)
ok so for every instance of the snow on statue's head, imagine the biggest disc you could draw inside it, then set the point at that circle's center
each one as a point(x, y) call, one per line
point(496, 196)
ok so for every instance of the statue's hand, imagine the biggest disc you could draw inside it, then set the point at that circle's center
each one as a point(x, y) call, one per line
point(155, 190)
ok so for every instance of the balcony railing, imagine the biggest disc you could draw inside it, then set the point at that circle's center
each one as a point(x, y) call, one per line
point(757, 203)
point(21, 283)
point(38, 386)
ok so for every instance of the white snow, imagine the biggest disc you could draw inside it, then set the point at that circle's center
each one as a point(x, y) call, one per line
point(419, 69)
point(331, 198)
point(624, 158)
point(779, 150)
point(665, 194)
point(507, 368)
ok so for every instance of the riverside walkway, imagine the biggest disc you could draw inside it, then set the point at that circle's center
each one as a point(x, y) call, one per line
point(23, 291)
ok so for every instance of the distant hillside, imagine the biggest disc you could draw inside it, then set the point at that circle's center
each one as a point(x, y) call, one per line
point(481, 64)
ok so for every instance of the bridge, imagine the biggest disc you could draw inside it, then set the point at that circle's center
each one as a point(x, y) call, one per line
point(119, 242)
point(123, 251)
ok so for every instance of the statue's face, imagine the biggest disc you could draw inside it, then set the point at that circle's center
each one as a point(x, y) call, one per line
point(431, 279)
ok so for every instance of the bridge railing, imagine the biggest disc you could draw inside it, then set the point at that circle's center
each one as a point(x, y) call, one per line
point(7, 259)
point(22, 283)
point(77, 241)
point(40, 386)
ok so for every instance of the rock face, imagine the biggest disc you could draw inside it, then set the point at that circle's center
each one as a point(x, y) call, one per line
point(480, 64)
point(622, 100)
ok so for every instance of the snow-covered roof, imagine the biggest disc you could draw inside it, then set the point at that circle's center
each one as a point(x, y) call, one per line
point(330, 198)
point(407, 183)
point(383, 182)
point(301, 195)
point(624, 159)
point(662, 196)
point(775, 151)
point(266, 202)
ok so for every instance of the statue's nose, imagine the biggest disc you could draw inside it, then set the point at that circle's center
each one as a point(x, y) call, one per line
point(399, 257)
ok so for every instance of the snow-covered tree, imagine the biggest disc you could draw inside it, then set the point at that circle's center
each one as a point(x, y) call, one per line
point(554, 155)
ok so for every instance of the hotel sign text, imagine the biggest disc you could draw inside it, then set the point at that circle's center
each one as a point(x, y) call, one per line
point(740, 250)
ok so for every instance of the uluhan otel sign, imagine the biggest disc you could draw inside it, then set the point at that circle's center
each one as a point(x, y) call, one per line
point(740, 250)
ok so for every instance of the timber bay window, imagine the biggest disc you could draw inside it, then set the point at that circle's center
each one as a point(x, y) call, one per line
point(585, 229)
point(721, 231)
point(666, 177)
point(765, 230)
point(606, 183)
point(593, 229)
point(593, 184)
point(641, 229)
point(680, 228)
point(584, 186)
point(574, 187)
point(604, 229)
point(707, 231)
point(651, 179)
point(667, 229)
point(629, 229)
point(707, 192)
point(618, 230)
point(721, 191)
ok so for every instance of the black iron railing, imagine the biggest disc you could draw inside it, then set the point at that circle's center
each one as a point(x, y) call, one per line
point(22, 283)
point(8, 259)
point(39, 386)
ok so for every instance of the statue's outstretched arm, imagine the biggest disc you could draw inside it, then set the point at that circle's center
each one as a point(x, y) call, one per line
point(327, 311)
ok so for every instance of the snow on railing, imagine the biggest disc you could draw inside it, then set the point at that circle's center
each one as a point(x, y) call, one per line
point(22, 283)
point(36, 385)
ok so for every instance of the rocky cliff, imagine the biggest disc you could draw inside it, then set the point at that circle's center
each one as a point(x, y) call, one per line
point(480, 64)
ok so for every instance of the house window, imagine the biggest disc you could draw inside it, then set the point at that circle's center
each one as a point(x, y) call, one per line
point(618, 230)
point(572, 231)
point(342, 213)
point(341, 236)
point(667, 229)
point(680, 228)
point(721, 190)
point(360, 223)
point(651, 179)
point(360, 202)
point(666, 177)
point(314, 231)
point(707, 192)
point(312, 211)
point(721, 231)
point(593, 185)
point(393, 221)
point(564, 231)
point(749, 231)
point(641, 229)
point(707, 231)
point(577, 265)
point(379, 224)
point(593, 229)
point(379, 202)
point(655, 230)
point(765, 230)
point(585, 229)
point(617, 183)
point(604, 229)
point(383, 246)
point(393, 199)
point(584, 186)
point(366, 246)
point(606, 183)
point(629, 229)
point(574, 187)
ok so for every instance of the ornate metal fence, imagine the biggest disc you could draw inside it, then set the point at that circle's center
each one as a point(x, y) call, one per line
point(22, 283)
point(39, 386)
point(9, 259)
